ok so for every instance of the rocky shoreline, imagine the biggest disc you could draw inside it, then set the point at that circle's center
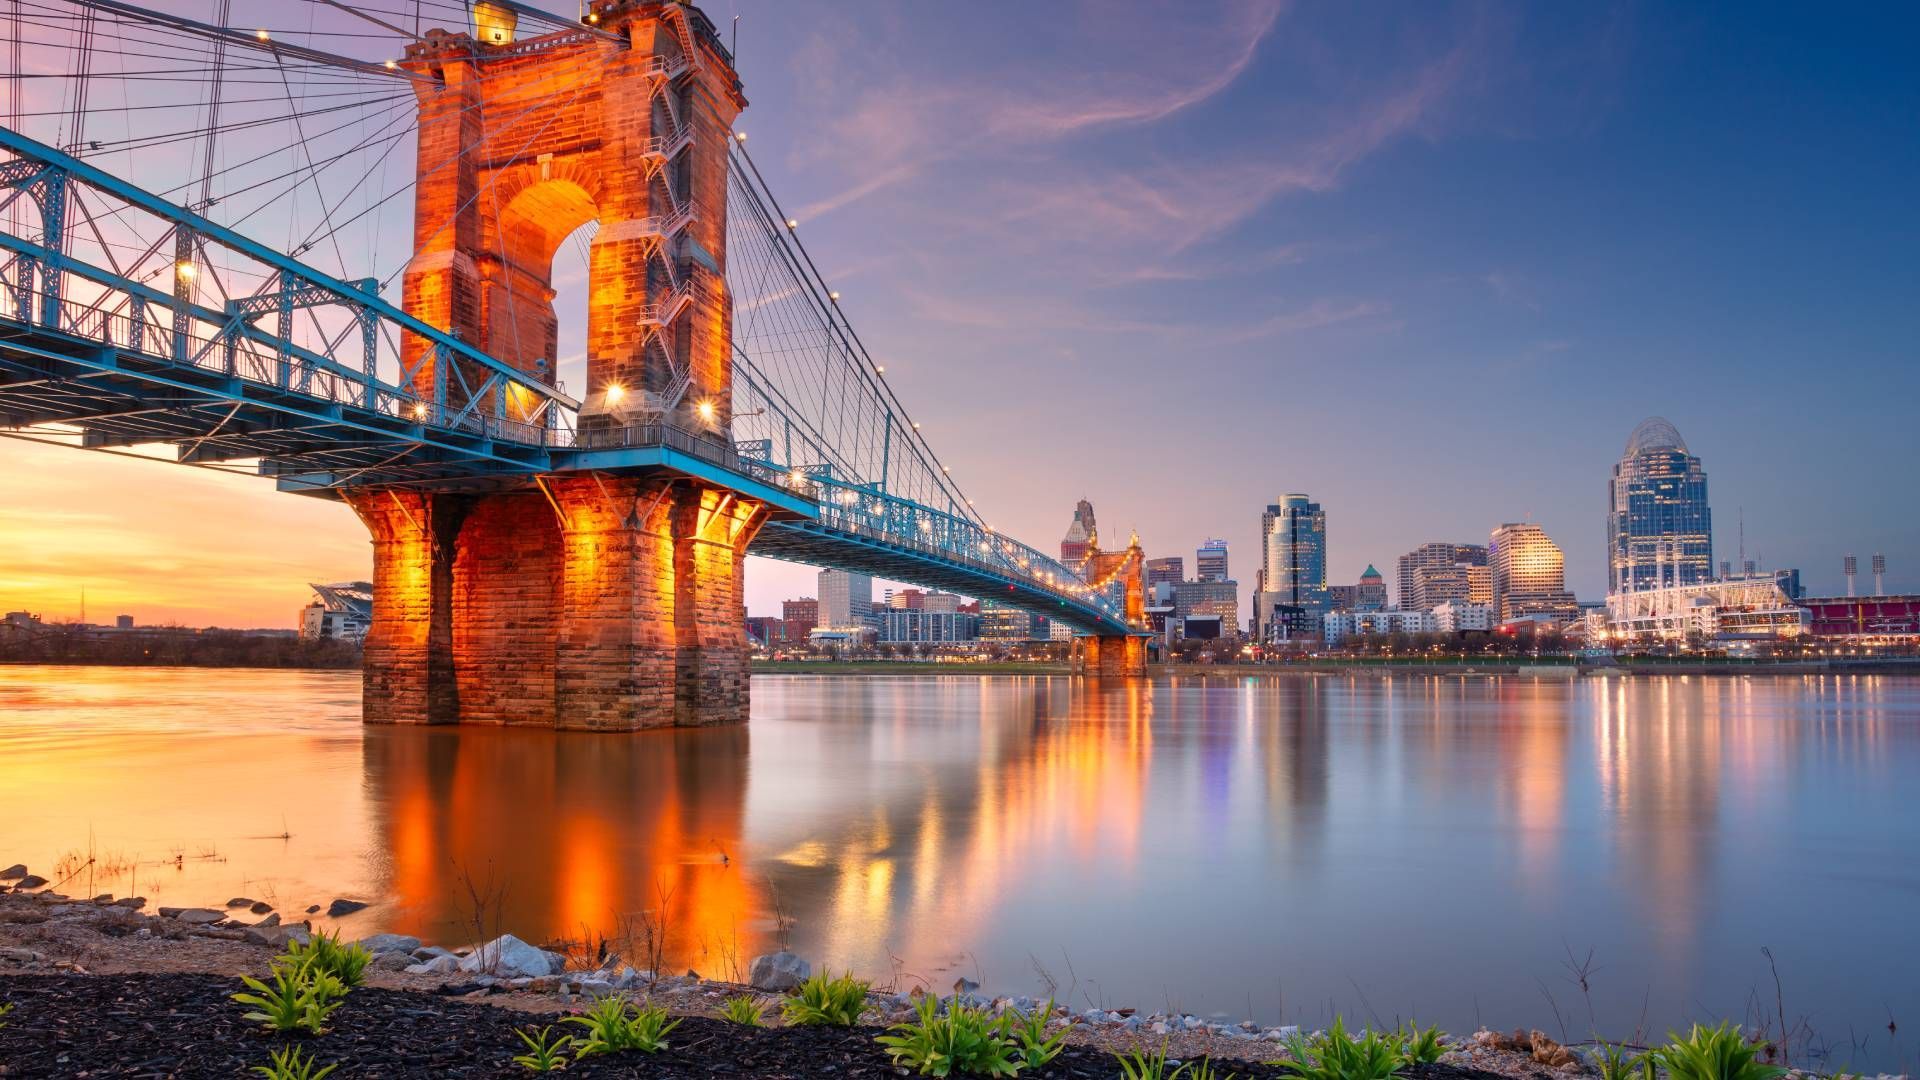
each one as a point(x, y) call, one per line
point(67, 965)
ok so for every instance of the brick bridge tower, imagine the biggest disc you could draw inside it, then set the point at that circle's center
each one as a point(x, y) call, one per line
point(1116, 654)
point(608, 601)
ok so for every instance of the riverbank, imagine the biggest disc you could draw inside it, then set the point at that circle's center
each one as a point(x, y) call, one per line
point(100, 987)
point(906, 667)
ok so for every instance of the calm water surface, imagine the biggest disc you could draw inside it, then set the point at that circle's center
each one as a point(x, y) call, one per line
point(1282, 848)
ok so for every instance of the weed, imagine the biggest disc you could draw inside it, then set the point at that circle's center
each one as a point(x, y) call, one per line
point(1339, 1056)
point(1137, 1064)
point(325, 954)
point(826, 1000)
point(300, 998)
point(292, 1063)
point(4, 1010)
point(544, 1052)
point(1030, 1031)
point(615, 1024)
point(1716, 1053)
point(1203, 1070)
point(1615, 1062)
point(1420, 1047)
point(962, 1040)
point(745, 1010)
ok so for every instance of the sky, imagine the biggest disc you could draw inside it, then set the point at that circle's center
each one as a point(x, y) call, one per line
point(1428, 264)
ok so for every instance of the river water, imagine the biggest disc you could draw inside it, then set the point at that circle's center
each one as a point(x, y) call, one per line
point(1284, 848)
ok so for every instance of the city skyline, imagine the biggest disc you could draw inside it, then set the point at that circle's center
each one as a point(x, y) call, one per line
point(1521, 231)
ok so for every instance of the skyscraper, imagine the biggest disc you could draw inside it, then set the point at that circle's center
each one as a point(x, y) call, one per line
point(1210, 561)
point(1438, 560)
point(1659, 530)
point(1082, 537)
point(1529, 574)
point(1296, 555)
point(846, 600)
point(1171, 569)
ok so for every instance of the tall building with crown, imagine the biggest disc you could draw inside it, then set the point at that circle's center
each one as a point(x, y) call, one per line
point(1083, 536)
point(1659, 529)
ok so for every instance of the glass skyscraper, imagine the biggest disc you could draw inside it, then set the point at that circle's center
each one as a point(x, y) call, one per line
point(1659, 530)
point(1296, 555)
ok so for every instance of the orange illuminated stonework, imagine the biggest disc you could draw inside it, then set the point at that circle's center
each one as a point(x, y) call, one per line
point(1116, 654)
point(609, 601)
point(607, 604)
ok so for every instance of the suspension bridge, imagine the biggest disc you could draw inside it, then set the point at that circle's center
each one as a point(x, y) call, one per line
point(541, 556)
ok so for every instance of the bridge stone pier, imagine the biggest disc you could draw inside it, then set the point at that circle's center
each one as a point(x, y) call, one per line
point(1116, 654)
point(608, 600)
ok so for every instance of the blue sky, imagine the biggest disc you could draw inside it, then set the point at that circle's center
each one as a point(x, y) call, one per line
point(1427, 263)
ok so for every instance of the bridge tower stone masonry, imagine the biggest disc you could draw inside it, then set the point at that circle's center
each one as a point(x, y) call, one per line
point(1116, 654)
point(603, 601)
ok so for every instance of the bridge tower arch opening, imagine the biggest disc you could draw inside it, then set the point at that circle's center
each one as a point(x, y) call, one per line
point(599, 599)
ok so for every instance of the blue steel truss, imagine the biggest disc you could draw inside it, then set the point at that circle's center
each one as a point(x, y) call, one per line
point(248, 358)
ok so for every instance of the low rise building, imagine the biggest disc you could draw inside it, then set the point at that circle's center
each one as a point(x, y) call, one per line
point(1460, 617)
point(899, 626)
point(1337, 626)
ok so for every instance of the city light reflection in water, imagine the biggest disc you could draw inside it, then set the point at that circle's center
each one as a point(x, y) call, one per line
point(1405, 846)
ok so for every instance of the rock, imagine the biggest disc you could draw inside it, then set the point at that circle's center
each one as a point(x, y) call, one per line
point(30, 881)
point(103, 899)
point(1160, 1028)
point(51, 897)
point(445, 964)
point(964, 985)
point(392, 961)
point(1547, 1052)
point(275, 937)
point(260, 907)
point(196, 916)
point(132, 903)
point(508, 956)
point(778, 971)
point(429, 952)
point(341, 907)
point(313, 908)
point(595, 988)
point(271, 920)
point(21, 956)
point(240, 901)
point(14, 872)
point(386, 943)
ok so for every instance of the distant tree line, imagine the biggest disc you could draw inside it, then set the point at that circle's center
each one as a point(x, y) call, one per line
point(55, 643)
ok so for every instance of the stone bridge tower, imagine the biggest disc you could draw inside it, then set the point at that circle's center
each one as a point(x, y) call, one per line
point(1116, 654)
point(609, 600)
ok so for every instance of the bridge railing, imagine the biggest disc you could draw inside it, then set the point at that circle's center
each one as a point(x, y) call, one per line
point(202, 296)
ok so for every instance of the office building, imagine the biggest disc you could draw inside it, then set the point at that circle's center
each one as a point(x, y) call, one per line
point(800, 617)
point(906, 599)
point(1083, 535)
point(1295, 560)
point(1659, 530)
point(903, 626)
point(1210, 561)
point(766, 631)
point(999, 622)
point(1529, 575)
point(846, 600)
point(1438, 556)
point(1170, 569)
point(1208, 598)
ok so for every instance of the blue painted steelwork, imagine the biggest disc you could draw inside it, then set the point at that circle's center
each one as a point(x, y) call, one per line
point(304, 375)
